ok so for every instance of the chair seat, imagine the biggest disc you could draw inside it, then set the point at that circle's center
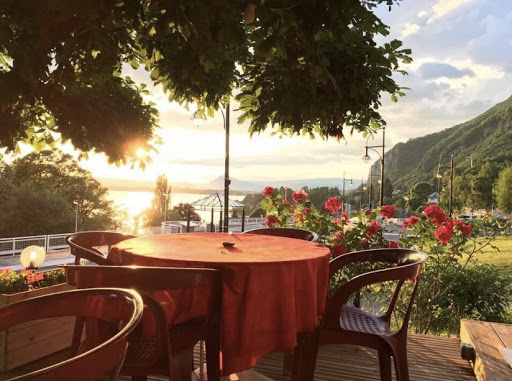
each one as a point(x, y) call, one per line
point(355, 319)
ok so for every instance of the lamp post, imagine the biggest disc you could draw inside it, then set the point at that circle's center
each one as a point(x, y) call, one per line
point(75, 202)
point(440, 176)
point(371, 176)
point(198, 119)
point(367, 158)
point(166, 203)
point(343, 191)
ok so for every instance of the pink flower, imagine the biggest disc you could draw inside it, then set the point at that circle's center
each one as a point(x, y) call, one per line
point(388, 211)
point(435, 213)
point(268, 191)
point(271, 220)
point(443, 234)
point(299, 195)
point(372, 228)
point(332, 204)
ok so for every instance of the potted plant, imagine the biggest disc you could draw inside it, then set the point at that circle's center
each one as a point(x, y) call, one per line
point(28, 342)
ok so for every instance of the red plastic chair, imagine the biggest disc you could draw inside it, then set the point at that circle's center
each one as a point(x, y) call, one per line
point(286, 232)
point(114, 307)
point(168, 351)
point(84, 245)
point(344, 324)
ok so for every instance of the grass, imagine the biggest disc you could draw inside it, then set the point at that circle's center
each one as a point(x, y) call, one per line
point(502, 258)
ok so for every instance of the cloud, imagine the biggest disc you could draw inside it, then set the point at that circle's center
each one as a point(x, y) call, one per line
point(433, 70)
point(442, 7)
point(410, 29)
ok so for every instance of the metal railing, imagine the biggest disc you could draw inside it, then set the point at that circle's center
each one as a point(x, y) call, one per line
point(15, 245)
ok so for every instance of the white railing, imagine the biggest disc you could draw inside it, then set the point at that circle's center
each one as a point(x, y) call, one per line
point(15, 245)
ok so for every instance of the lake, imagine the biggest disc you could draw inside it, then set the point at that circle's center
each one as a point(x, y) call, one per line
point(135, 202)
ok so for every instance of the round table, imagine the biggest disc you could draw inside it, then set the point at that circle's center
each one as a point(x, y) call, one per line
point(273, 287)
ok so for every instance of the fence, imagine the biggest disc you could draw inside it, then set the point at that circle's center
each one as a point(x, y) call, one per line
point(15, 245)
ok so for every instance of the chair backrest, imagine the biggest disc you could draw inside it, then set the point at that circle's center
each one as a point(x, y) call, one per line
point(150, 279)
point(407, 267)
point(111, 305)
point(286, 232)
point(84, 245)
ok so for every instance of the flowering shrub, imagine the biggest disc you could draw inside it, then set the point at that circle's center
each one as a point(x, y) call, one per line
point(12, 281)
point(452, 246)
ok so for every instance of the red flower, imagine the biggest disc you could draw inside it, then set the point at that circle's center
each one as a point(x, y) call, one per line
point(271, 220)
point(368, 212)
point(435, 213)
point(443, 234)
point(388, 211)
point(344, 217)
point(306, 210)
point(338, 250)
point(372, 228)
point(393, 244)
point(268, 191)
point(410, 222)
point(365, 243)
point(338, 236)
point(466, 229)
point(332, 204)
point(299, 195)
point(298, 217)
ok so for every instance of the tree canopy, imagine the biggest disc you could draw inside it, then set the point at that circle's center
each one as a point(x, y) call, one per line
point(38, 194)
point(307, 67)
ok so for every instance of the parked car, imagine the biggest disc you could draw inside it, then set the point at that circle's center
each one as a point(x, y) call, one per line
point(467, 217)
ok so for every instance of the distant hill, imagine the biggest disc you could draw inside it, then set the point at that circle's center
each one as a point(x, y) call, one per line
point(257, 186)
point(218, 185)
point(488, 137)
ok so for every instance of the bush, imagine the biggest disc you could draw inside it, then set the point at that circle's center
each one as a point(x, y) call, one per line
point(453, 285)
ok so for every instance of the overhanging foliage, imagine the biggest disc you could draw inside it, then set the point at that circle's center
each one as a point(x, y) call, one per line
point(307, 67)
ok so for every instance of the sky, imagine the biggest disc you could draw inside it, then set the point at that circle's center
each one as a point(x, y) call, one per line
point(462, 66)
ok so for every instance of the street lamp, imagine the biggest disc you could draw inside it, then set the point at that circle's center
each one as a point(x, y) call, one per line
point(440, 176)
point(199, 119)
point(371, 176)
point(367, 159)
point(343, 192)
point(75, 202)
point(166, 203)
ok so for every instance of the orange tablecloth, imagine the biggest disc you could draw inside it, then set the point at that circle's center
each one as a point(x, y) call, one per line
point(273, 287)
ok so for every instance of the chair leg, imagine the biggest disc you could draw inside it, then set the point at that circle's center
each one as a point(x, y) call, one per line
point(401, 363)
point(213, 355)
point(304, 358)
point(384, 365)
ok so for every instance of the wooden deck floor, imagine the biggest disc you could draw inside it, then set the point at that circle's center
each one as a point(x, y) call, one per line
point(430, 358)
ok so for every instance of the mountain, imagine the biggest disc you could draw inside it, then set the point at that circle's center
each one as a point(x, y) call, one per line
point(488, 137)
point(218, 184)
point(257, 186)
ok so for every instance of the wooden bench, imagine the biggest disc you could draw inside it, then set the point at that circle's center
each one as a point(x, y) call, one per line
point(486, 338)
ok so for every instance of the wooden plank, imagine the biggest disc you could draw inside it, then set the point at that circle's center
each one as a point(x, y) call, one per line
point(46, 329)
point(504, 332)
point(489, 364)
point(45, 347)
